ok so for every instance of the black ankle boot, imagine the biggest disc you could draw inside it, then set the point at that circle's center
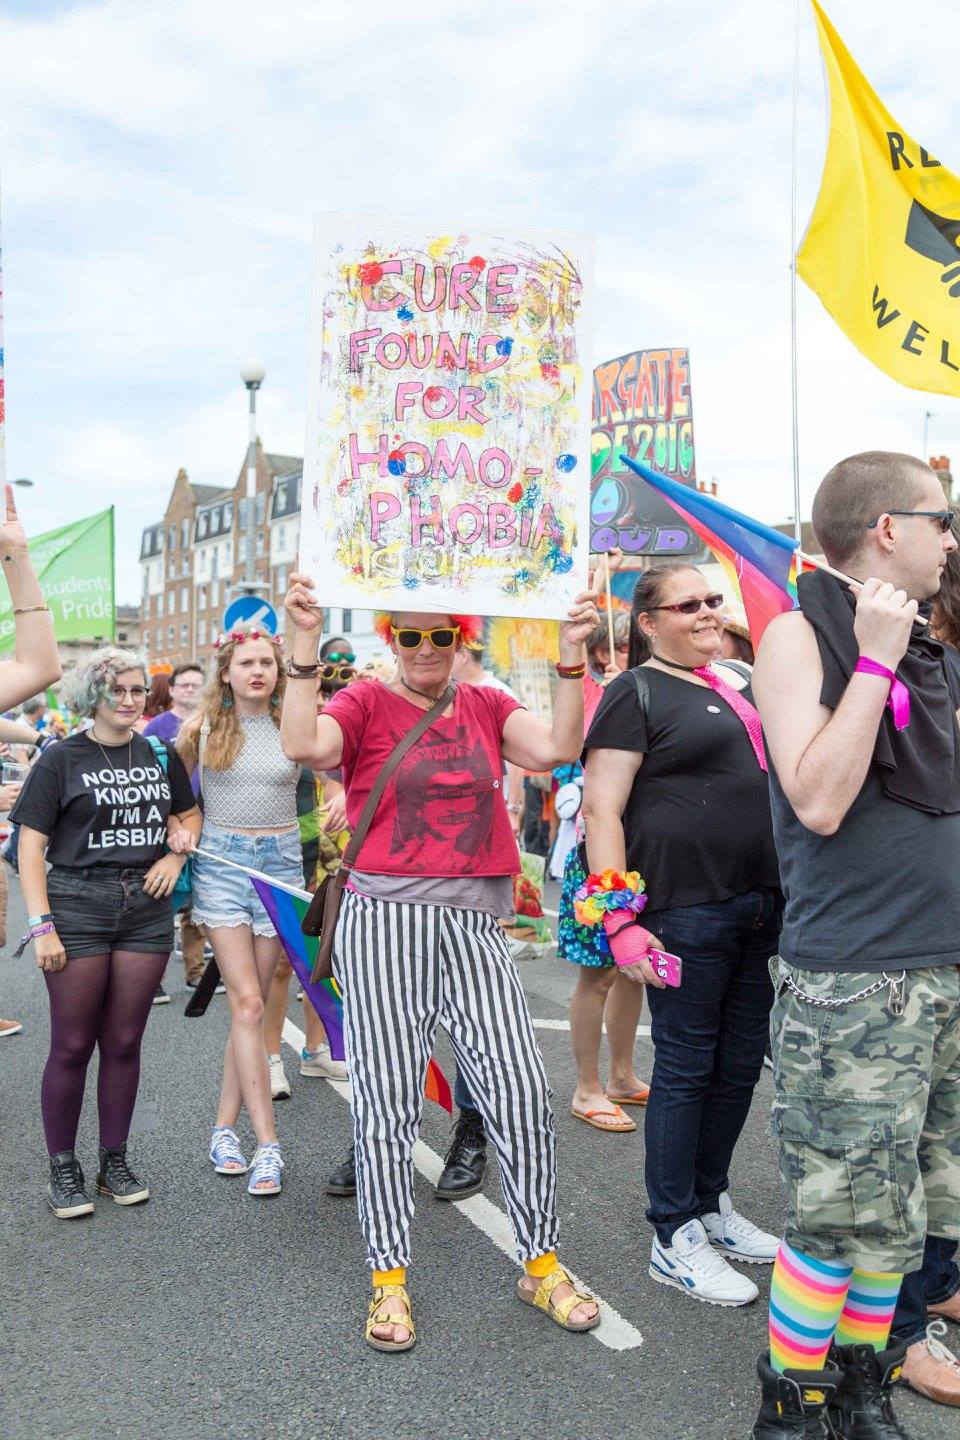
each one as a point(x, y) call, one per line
point(66, 1195)
point(862, 1410)
point(795, 1403)
point(343, 1180)
point(116, 1179)
point(466, 1160)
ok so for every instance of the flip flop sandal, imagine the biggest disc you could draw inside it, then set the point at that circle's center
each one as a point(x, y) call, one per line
point(406, 1320)
point(639, 1097)
point(559, 1310)
point(589, 1117)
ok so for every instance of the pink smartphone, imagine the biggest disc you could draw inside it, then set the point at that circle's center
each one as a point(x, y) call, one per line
point(668, 968)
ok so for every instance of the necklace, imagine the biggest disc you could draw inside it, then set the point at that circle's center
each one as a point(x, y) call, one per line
point(95, 737)
point(424, 694)
point(690, 669)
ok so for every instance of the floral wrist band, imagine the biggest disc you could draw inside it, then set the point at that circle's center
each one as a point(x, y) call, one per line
point(602, 894)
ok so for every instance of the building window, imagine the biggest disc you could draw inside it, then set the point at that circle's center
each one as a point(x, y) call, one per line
point(184, 534)
point(201, 632)
point(159, 637)
point(184, 599)
point(228, 515)
point(346, 621)
point(281, 573)
point(202, 525)
point(171, 601)
point(185, 567)
point(214, 594)
point(259, 542)
point(201, 597)
point(281, 538)
point(184, 636)
point(171, 635)
point(172, 537)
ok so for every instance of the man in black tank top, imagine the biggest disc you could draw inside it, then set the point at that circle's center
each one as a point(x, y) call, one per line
point(865, 792)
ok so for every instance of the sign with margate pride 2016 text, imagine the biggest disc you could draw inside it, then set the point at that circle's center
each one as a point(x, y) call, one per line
point(642, 408)
point(448, 430)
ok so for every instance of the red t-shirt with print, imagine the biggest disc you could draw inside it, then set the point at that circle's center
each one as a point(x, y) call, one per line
point(443, 811)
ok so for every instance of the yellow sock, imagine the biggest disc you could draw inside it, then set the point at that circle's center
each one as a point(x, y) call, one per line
point(542, 1265)
point(397, 1276)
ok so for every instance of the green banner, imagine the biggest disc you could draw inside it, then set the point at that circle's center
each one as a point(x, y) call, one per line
point(75, 567)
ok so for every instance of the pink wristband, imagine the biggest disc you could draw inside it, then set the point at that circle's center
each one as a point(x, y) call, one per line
point(898, 701)
point(46, 929)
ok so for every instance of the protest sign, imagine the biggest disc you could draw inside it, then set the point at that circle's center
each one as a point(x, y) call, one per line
point(448, 431)
point(642, 408)
point(75, 568)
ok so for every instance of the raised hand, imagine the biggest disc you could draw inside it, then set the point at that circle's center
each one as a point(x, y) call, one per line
point(882, 623)
point(300, 604)
point(12, 534)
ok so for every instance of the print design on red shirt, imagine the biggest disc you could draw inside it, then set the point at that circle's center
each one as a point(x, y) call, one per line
point(444, 787)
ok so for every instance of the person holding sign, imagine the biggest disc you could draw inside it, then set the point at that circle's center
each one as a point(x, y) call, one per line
point(418, 943)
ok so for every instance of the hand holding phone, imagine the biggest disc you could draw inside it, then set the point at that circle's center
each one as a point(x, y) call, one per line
point(667, 967)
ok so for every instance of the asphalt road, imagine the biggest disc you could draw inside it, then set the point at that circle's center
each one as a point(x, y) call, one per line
point(208, 1313)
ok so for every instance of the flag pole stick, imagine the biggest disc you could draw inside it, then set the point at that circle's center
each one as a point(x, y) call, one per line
point(606, 586)
point(847, 579)
point(797, 531)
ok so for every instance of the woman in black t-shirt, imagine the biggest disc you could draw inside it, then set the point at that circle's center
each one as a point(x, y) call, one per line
point(102, 807)
point(676, 788)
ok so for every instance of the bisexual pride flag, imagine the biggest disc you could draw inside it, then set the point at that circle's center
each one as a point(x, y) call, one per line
point(759, 562)
point(286, 908)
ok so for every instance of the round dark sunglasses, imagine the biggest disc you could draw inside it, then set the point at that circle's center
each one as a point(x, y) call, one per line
point(336, 672)
point(690, 607)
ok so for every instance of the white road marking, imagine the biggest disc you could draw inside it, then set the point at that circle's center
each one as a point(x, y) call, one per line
point(613, 1331)
point(565, 1025)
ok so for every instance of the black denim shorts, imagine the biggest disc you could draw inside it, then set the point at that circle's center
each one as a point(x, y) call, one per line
point(102, 908)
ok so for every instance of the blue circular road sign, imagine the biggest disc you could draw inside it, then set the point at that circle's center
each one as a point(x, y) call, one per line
point(250, 610)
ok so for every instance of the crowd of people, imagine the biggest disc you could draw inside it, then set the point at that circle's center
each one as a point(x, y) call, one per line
point(767, 852)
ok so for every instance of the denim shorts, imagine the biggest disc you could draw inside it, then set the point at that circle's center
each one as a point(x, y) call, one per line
point(224, 898)
point(103, 907)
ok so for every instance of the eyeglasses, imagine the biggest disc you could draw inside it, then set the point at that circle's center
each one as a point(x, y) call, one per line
point(410, 638)
point(690, 607)
point(341, 657)
point(944, 518)
point(136, 693)
point(336, 672)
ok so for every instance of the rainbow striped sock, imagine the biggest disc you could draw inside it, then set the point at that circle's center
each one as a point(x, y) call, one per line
point(806, 1301)
point(868, 1309)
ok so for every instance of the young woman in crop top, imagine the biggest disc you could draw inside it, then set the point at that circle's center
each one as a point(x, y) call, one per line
point(250, 817)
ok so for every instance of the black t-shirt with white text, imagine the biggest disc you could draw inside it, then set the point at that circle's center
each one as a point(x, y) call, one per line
point(104, 805)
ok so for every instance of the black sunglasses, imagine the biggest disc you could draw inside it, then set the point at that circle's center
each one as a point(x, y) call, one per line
point(944, 518)
point(690, 607)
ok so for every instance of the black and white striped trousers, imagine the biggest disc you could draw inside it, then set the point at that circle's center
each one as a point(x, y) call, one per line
point(405, 969)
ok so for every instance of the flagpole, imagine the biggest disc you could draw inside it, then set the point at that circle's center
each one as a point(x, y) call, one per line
point(797, 530)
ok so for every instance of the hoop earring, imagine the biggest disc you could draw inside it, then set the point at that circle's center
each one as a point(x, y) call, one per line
point(892, 550)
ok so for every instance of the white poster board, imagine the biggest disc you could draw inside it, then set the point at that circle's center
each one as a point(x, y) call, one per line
point(447, 461)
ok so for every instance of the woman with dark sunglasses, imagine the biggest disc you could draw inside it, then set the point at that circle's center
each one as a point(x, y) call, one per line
point(418, 943)
point(676, 789)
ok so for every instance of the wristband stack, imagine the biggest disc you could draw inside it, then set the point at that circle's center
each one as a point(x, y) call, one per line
point(40, 925)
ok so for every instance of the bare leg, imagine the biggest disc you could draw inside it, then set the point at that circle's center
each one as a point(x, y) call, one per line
point(313, 1025)
point(621, 1018)
point(586, 1028)
point(247, 964)
point(275, 1012)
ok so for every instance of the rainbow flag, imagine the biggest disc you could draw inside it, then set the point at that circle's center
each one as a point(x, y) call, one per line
point(286, 908)
point(760, 562)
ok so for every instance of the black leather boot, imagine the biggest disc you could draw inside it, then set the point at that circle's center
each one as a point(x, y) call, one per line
point(343, 1180)
point(116, 1179)
point(466, 1160)
point(863, 1409)
point(66, 1195)
point(795, 1402)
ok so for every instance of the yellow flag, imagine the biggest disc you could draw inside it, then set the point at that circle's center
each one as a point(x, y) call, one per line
point(882, 249)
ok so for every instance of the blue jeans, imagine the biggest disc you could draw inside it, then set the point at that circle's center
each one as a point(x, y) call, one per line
point(937, 1281)
point(709, 1037)
point(461, 1094)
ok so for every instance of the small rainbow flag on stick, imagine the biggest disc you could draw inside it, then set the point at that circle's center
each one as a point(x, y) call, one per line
point(286, 908)
point(760, 562)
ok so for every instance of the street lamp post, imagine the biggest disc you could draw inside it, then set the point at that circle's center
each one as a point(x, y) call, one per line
point(251, 373)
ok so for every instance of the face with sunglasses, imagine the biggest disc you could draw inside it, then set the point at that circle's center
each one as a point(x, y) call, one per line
point(908, 547)
point(686, 623)
point(424, 646)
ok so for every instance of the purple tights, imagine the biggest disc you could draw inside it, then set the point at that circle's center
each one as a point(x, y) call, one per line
point(101, 1000)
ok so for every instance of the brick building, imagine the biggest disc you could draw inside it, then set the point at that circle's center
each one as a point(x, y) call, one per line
point(193, 557)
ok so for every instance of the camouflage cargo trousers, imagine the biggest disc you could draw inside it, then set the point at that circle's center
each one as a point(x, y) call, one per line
point(867, 1111)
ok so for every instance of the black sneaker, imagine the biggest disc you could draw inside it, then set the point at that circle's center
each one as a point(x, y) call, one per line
point(116, 1179)
point(66, 1195)
point(466, 1160)
point(161, 997)
point(343, 1180)
point(795, 1403)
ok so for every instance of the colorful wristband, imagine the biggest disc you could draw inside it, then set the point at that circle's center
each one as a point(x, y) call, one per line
point(898, 701)
point(39, 919)
point(38, 930)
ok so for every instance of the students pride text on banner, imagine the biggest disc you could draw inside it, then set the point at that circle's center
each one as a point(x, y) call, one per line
point(75, 568)
point(448, 420)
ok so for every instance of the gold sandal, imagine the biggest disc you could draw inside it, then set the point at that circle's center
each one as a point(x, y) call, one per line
point(379, 1295)
point(559, 1310)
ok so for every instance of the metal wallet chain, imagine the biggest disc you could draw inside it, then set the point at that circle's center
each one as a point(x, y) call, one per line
point(894, 1004)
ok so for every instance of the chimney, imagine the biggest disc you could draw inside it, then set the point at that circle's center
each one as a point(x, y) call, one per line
point(941, 464)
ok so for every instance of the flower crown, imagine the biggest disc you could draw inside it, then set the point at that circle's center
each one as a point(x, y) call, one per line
point(238, 636)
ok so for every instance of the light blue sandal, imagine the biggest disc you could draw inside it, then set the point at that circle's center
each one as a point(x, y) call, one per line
point(265, 1167)
point(225, 1154)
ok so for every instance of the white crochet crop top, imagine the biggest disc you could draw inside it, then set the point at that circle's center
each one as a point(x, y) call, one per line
point(259, 791)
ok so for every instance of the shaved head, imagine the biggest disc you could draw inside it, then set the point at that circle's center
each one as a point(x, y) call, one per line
point(856, 492)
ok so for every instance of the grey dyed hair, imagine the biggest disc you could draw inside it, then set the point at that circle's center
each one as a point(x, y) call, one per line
point(94, 681)
point(599, 637)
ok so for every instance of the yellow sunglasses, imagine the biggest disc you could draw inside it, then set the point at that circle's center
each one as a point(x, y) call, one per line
point(408, 637)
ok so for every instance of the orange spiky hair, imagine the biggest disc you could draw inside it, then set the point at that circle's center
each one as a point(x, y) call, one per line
point(471, 627)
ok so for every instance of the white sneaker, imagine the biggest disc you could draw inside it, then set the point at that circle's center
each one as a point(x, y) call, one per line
point(691, 1264)
point(321, 1063)
point(738, 1237)
point(279, 1084)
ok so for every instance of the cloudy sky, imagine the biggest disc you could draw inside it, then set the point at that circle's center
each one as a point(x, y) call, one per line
point(161, 165)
